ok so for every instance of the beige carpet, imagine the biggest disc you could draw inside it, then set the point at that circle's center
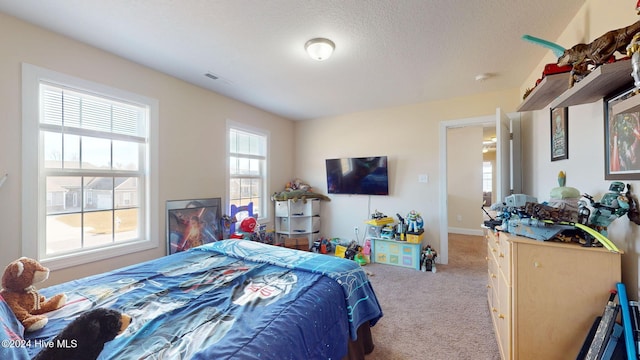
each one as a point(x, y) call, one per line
point(437, 316)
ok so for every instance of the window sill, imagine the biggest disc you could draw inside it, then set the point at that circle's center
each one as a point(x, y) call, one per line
point(93, 255)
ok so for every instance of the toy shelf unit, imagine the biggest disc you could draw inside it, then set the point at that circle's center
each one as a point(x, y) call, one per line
point(393, 252)
point(297, 219)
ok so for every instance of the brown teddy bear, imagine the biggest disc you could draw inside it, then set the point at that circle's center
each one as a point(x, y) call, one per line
point(23, 298)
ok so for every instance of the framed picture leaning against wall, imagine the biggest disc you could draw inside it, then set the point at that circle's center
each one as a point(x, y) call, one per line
point(192, 223)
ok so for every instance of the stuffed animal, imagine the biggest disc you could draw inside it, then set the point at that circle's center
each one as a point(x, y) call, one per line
point(23, 298)
point(84, 337)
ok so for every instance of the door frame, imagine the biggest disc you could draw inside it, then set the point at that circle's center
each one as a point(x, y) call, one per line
point(443, 189)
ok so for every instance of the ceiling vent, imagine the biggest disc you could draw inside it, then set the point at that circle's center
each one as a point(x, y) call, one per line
point(212, 76)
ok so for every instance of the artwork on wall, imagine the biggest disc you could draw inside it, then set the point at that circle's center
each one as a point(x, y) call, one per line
point(559, 134)
point(191, 223)
point(621, 141)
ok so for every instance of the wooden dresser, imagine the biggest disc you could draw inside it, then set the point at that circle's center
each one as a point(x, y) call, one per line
point(544, 296)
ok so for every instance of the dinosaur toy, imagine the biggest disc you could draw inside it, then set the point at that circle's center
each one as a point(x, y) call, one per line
point(598, 52)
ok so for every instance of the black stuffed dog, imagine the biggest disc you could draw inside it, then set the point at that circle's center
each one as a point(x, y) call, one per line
point(84, 337)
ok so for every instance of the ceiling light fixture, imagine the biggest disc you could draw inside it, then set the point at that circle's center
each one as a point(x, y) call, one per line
point(484, 76)
point(319, 48)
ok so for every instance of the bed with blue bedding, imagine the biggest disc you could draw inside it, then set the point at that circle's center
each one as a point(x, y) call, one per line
point(231, 299)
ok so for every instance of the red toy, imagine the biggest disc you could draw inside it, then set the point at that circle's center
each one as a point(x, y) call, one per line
point(248, 224)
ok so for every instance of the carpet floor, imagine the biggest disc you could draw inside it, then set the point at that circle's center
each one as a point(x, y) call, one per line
point(440, 316)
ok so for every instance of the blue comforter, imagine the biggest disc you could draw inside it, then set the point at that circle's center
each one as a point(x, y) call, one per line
point(232, 299)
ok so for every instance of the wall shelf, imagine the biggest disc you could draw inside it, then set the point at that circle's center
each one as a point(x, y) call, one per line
point(629, 105)
point(546, 91)
point(601, 82)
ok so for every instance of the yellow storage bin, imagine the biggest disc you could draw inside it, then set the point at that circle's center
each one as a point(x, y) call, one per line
point(415, 238)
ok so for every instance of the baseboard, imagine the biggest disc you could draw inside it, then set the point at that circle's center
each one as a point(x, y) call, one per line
point(464, 231)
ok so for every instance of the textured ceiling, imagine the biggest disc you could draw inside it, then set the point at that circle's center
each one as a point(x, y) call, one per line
point(388, 52)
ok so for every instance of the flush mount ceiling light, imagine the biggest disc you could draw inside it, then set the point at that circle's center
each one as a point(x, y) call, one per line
point(319, 48)
point(484, 76)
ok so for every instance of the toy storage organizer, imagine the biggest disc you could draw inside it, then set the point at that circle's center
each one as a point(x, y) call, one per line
point(393, 252)
point(297, 219)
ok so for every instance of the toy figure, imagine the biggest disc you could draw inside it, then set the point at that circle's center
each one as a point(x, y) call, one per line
point(597, 52)
point(613, 205)
point(414, 222)
point(352, 250)
point(400, 228)
point(428, 259)
point(633, 50)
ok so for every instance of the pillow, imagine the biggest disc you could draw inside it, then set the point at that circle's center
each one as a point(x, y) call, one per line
point(12, 345)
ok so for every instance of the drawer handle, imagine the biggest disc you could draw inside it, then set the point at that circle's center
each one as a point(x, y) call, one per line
point(488, 286)
point(493, 275)
point(494, 310)
point(501, 255)
point(494, 250)
point(500, 316)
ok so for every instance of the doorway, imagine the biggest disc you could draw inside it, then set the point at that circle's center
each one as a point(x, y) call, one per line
point(445, 126)
point(507, 165)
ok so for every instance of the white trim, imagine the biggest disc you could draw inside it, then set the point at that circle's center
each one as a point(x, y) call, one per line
point(464, 231)
point(444, 210)
point(33, 203)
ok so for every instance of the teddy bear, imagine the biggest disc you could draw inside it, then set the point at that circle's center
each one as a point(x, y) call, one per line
point(23, 298)
point(84, 337)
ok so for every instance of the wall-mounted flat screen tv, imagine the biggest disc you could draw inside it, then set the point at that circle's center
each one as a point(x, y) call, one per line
point(362, 175)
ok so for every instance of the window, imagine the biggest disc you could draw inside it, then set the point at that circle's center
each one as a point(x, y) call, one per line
point(487, 176)
point(248, 168)
point(88, 154)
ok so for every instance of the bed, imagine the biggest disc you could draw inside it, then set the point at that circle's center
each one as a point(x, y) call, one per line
point(231, 299)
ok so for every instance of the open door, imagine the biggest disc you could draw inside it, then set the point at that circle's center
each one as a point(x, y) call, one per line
point(503, 158)
point(508, 155)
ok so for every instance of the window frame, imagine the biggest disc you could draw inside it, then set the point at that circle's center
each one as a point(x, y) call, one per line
point(232, 125)
point(34, 202)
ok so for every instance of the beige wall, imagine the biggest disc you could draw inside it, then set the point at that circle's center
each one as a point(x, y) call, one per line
point(585, 166)
point(192, 122)
point(192, 130)
point(409, 136)
point(464, 179)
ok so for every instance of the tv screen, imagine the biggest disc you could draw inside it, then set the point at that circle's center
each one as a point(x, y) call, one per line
point(363, 175)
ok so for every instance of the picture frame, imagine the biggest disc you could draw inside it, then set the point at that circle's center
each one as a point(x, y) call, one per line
point(559, 133)
point(620, 141)
point(193, 222)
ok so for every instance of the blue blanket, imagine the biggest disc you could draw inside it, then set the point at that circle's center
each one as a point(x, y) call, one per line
point(226, 300)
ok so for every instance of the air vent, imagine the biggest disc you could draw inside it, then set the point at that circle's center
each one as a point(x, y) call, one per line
point(212, 76)
point(218, 79)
